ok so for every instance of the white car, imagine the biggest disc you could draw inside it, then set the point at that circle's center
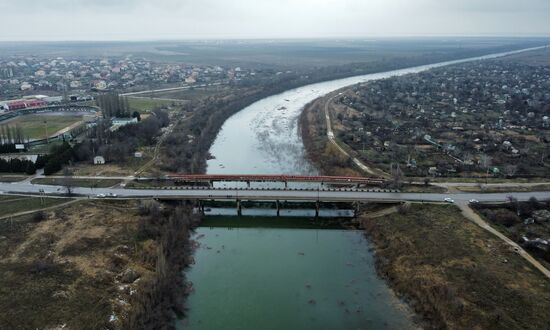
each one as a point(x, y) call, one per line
point(449, 200)
point(112, 195)
point(473, 201)
point(100, 196)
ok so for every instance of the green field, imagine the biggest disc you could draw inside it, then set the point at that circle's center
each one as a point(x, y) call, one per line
point(33, 126)
point(15, 204)
point(193, 93)
point(88, 183)
point(144, 104)
point(12, 177)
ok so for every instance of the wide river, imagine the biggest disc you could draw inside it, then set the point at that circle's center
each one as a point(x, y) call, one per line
point(265, 278)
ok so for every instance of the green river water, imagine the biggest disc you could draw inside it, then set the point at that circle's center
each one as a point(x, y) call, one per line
point(276, 278)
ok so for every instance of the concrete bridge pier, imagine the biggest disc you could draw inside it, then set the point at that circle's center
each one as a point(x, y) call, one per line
point(201, 207)
point(239, 208)
point(317, 207)
point(278, 208)
point(248, 183)
point(286, 184)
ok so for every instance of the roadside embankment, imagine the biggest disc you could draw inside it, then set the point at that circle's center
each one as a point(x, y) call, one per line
point(455, 274)
point(320, 151)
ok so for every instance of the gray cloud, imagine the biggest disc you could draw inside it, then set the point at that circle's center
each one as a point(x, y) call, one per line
point(180, 19)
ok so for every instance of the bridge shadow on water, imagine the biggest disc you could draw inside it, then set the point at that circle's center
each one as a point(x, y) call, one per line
point(277, 215)
point(230, 222)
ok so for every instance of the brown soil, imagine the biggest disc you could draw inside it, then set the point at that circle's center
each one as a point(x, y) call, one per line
point(456, 275)
point(65, 269)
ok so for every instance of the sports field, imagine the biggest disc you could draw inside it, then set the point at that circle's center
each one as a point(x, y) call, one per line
point(35, 126)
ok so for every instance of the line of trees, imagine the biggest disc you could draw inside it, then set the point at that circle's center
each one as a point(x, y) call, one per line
point(58, 157)
point(7, 148)
point(161, 298)
point(18, 166)
point(113, 105)
point(11, 135)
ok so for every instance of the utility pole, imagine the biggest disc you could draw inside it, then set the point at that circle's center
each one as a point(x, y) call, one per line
point(46, 129)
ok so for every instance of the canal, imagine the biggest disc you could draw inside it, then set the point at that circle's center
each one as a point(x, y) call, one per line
point(282, 278)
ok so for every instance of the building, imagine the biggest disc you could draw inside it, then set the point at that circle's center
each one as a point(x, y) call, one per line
point(99, 160)
point(24, 104)
point(25, 86)
point(123, 121)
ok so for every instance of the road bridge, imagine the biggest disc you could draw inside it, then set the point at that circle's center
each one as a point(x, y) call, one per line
point(271, 194)
point(248, 178)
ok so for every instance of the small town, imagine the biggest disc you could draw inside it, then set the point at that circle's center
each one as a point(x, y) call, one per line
point(487, 117)
point(57, 76)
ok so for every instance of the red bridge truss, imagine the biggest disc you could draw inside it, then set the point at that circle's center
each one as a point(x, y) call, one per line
point(274, 178)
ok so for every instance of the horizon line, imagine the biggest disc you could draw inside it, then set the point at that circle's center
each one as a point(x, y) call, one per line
point(237, 38)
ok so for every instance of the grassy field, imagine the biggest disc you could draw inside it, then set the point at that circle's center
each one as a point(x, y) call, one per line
point(539, 187)
point(193, 93)
point(15, 204)
point(457, 275)
point(34, 128)
point(145, 104)
point(89, 183)
point(65, 270)
point(423, 189)
point(12, 178)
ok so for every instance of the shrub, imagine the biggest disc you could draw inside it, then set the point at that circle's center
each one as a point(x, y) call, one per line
point(503, 217)
point(38, 216)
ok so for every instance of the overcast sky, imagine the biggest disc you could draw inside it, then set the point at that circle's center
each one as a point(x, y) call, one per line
point(206, 19)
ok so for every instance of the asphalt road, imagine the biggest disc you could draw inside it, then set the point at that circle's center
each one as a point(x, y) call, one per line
point(272, 194)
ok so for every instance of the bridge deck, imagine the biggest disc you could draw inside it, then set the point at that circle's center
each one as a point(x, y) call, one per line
point(273, 178)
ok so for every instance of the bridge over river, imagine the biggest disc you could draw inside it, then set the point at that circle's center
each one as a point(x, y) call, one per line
point(322, 194)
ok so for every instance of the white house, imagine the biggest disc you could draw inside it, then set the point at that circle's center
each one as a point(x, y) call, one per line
point(99, 160)
point(123, 121)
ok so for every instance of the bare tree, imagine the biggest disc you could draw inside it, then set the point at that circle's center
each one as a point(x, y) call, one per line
point(510, 170)
point(514, 202)
point(543, 155)
point(68, 180)
point(486, 161)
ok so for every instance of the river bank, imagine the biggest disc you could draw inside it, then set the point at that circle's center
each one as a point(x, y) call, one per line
point(454, 274)
point(94, 264)
point(322, 153)
point(161, 299)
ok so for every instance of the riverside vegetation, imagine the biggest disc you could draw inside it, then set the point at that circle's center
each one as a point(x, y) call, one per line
point(100, 264)
point(455, 274)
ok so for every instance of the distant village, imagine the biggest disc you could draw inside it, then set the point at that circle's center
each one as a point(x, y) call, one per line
point(25, 76)
point(479, 118)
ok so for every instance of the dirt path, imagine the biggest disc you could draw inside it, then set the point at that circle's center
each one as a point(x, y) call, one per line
point(474, 217)
point(332, 138)
point(14, 215)
point(382, 213)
